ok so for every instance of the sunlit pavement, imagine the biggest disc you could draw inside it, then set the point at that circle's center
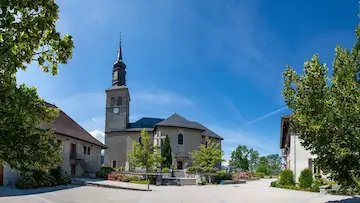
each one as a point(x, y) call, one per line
point(255, 191)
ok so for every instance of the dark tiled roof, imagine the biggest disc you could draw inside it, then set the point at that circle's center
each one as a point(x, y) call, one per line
point(210, 133)
point(65, 125)
point(177, 121)
point(145, 123)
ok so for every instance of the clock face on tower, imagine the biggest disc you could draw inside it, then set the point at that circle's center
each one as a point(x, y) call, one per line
point(115, 110)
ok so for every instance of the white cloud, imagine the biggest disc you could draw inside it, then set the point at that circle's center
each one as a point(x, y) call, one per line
point(161, 97)
point(94, 119)
point(99, 135)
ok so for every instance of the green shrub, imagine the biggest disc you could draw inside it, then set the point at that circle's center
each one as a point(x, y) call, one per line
point(165, 170)
point(104, 171)
point(306, 178)
point(222, 175)
point(65, 179)
point(211, 170)
point(26, 182)
point(258, 174)
point(195, 169)
point(273, 184)
point(286, 178)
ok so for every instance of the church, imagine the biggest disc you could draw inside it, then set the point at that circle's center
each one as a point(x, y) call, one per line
point(185, 135)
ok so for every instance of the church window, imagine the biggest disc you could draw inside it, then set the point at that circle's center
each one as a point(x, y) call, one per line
point(180, 139)
point(112, 101)
point(119, 101)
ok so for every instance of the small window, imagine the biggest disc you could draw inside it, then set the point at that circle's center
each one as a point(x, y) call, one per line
point(180, 139)
point(88, 150)
point(119, 101)
point(206, 144)
point(112, 101)
point(60, 144)
point(114, 164)
point(139, 140)
point(84, 149)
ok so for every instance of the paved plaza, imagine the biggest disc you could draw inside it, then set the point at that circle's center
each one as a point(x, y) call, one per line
point(253, 192)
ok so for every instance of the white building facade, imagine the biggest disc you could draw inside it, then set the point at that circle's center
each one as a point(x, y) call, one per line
point(295, 156)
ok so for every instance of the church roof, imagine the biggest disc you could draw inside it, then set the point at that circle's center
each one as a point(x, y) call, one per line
point(177, 121)
point(64, 125)
point(145, 122)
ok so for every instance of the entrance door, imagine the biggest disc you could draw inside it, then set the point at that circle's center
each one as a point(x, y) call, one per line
point(73, 170)
point(180, 165)
point(1, 174)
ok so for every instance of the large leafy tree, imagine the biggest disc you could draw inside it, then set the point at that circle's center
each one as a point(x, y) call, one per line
point(274, 161)
point(244, 158)
point(28, 35)
point(327, 111)
point(144, 154)
point(166, 153)
point(263, 166)
point(207, 155)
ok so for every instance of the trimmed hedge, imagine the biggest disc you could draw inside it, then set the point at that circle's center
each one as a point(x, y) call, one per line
point(306, 178)
point(165, 170)
point(36, 179)
point(286, 178)
point(222, 175)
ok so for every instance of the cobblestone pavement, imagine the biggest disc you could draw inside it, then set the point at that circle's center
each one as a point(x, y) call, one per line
point(255, 191)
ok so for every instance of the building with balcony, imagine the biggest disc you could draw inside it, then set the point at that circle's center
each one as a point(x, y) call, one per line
point(81, 152)
point(295, 156)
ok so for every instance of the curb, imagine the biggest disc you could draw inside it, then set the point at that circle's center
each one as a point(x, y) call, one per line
point(85, 183)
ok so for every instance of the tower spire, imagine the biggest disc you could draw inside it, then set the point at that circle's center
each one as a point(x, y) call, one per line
point(119, 52)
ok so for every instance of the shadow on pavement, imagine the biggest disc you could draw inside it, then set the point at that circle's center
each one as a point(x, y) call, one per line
point(12, 191)
point(348, 200)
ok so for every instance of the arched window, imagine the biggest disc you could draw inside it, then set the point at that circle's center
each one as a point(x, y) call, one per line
point(180, 139)
point(112, 101)
point(119, 101)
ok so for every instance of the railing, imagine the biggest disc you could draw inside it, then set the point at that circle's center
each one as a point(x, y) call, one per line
point(76, 156)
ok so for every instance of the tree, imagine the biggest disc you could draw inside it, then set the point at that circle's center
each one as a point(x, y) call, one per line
point(274, 161)
point(144, 154)
point(253, 160)
point(166, 153)
point(263, 165)
point(326, 111)
point(207, 155)
point(28, 35)
point(244, 158)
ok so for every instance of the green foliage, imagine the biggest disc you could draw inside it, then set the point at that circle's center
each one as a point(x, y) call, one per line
point(263, 166)
point(28, 35)
point(165, 170)
point(166, 153)
point(274, 161)
point(38, 178)
point(273, 184)
point(207, 155)
point(306, 178)
point(258, 174)
point(244, 158)
point(327, 110)
point(286, 178)
point(144, 154)
point(194, 169)
point(104, 171)
point(222, 175)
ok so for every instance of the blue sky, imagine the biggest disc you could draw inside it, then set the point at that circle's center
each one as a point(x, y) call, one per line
point(214, 61)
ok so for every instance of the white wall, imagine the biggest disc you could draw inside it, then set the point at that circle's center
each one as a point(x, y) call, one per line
point(298, 158)
point(10, 176)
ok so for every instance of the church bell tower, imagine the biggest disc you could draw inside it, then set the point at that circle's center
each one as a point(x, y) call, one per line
point(117, 97)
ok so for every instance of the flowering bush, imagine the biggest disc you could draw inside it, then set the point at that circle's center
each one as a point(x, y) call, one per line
point(115, 176)
point(241, 175)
